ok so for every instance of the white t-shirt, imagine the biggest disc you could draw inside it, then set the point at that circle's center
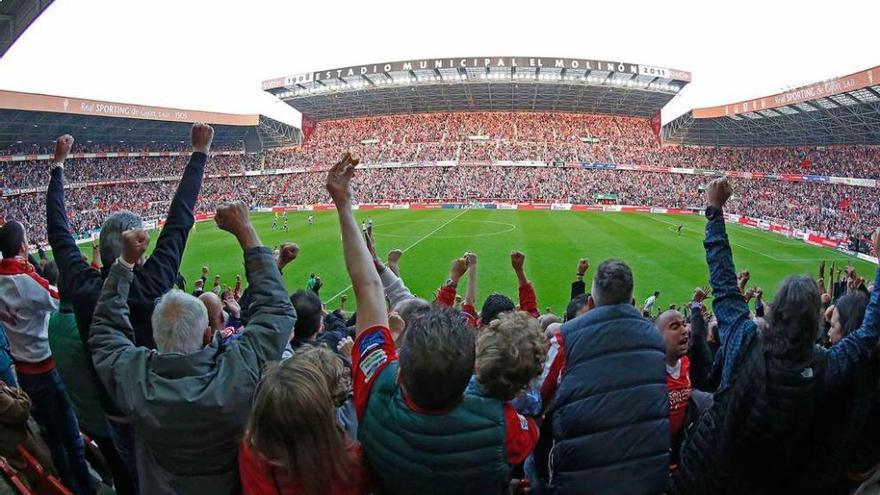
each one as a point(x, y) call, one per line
point(649, 303)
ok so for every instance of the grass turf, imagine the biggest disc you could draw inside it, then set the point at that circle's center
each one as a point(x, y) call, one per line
point(553, 241)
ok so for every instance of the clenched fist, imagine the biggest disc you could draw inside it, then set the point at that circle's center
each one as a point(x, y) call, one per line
point(62, 147)
point(134, 245)
point(287, 253)
point(517, 261)
point(583, 266)
point(202, 136)
point(459, 266)
point(718, 192)
point(233, 218)
point(471, 259)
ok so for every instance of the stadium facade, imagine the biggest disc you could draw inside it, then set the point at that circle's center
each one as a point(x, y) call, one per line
point(27, 118)
point(471, 84)
point(843, 110)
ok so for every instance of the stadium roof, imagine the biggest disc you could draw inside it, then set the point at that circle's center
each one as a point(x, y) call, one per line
point(481, 84)
point(15, 17)
point(845, 110)
point(39, 119)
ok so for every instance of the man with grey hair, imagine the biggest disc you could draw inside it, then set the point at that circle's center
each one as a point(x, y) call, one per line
point(189, 402)
point(610, 414)
point(151, 279)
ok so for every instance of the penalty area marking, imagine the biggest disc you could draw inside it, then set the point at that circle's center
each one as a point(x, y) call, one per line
point(672, 227)
point(429, 234)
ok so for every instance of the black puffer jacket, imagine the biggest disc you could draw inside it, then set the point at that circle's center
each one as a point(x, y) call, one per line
point(749, 441)
point(833, 441)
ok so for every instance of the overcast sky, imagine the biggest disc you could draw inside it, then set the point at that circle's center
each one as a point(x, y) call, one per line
point(212, 55)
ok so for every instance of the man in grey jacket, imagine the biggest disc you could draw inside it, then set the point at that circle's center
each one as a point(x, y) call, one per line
point(189, 402)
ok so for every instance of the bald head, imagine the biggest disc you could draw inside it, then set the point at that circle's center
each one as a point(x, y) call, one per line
point(675, 335)
point(666, 318)
point(215, 310)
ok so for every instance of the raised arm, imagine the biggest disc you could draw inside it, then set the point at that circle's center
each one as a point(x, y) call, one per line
point(528, 301)
point(446, 294)
point(470, 298)
point(64, 249)
point(579, 287)
point(160, 271)
point(759, 302)
point(116, 358)
point(271, 314)
point(845, 356)
point(96, 256)
point(364, 278)
point(699, 353)
point(395, 290)
point(731, 310)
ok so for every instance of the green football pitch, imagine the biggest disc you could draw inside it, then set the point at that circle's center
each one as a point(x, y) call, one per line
point(553, 241)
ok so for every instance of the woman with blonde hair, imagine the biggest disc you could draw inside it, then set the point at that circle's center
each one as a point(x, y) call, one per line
point(293, 444)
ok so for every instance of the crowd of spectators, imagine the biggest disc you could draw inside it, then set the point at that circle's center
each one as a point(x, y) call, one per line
point(23, 148)
point(545, 137)
point(475, 139)
point(834, 210)
point(256, 390)
point(29, 174)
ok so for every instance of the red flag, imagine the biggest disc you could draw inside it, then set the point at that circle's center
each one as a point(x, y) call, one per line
point(806, 163)
point(308, 127)
point(656, 126)
point(844, 204)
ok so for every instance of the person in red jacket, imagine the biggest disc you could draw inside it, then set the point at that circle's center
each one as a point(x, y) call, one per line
point(293, 444)
point(678, 380)
point(495, 304)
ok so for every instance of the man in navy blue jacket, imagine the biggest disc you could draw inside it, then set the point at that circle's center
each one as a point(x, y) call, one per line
point(152, 279)
point(610, 416)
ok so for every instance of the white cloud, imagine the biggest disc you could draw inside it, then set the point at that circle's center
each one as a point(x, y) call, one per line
point(212, 55)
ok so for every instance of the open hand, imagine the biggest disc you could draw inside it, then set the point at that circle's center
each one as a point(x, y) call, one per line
point(339, 180)
point(394, 256)
point(231, 305)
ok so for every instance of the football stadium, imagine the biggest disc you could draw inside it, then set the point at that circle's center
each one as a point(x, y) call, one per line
point(467, 274)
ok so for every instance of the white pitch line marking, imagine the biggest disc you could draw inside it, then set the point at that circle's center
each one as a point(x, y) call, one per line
point(429, 234)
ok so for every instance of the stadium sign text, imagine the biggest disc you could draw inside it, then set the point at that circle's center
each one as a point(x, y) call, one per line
point(478, 62)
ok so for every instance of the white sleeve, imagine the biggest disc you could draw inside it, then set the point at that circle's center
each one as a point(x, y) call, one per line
point(395, 290)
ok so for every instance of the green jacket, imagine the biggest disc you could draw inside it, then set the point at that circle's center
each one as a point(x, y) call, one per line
point(189, 411)
point(457, 453)
point(72, 362)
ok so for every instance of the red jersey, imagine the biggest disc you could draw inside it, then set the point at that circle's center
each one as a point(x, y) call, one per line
point(528, 302)
point(260, 476)
point(678, 382)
